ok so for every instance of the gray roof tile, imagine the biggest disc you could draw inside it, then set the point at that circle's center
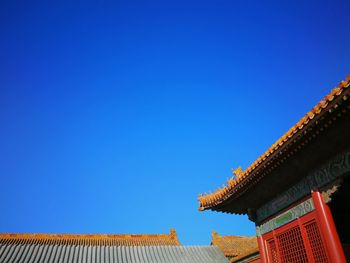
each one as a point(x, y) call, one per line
point(12, 252)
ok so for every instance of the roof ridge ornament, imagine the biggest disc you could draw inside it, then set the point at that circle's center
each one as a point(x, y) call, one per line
point(214, 234)
point(238, 172)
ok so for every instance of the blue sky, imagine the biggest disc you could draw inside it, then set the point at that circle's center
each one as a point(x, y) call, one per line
point(114, 116)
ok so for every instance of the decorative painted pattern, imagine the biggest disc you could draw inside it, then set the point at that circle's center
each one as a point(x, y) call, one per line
point(286, 217)
point(327, 173)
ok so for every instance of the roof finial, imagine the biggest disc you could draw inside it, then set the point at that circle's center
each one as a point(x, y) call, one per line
point(172, 231)
point(173, 236)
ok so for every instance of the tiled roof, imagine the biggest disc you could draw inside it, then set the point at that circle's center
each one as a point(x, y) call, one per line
point(17, 252)
point(208, 201)
point(94, 239)
point(235, 247)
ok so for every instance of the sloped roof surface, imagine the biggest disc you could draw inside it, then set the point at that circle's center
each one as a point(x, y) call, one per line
point(238, 181)
point(13, 252)
point(235, 247)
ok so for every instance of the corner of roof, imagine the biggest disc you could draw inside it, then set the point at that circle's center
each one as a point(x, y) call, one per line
point(173, 236)
point(214, 237)
point(207, 201)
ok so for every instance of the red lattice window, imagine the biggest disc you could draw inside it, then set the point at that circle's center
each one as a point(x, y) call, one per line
point(297, 242)
point(272, 251)
point(315, 240)
point(291, 246)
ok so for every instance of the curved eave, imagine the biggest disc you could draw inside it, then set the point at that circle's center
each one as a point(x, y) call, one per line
point(218, 200)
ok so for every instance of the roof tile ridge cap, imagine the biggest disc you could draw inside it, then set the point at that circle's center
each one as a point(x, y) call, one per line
point(125, 236)
point(231, 237)
point(88, 237)
point(304, 119)
point(323, 103)
point(28, 236)
point(238, 236)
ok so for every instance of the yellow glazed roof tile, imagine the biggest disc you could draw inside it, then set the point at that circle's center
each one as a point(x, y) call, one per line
point(235, 247)
point(96, 239)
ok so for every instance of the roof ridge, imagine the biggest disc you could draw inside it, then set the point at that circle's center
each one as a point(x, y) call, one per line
point(114, 239)
point(216, 234)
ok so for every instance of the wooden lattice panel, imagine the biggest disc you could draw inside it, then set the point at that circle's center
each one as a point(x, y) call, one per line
point(315, 240)
point(273, 255)
point(297, 242)
point(292, 249)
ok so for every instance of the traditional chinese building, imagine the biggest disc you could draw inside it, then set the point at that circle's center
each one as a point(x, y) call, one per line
point(298, 191)
point(237, 248)
point(68, 248)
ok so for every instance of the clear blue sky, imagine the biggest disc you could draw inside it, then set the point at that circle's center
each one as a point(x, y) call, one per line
point(114, 116)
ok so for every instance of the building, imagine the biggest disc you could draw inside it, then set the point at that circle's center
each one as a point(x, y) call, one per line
point(237, 248)
point(68, 248)
point(297, 192)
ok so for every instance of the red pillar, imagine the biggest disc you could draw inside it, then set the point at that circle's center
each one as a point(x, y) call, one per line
point(328, 230)
point(262, 250)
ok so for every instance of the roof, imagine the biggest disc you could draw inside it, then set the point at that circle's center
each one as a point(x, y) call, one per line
point(241, 178)
point(236, 247)
point(94, 239)
point(15, 252)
